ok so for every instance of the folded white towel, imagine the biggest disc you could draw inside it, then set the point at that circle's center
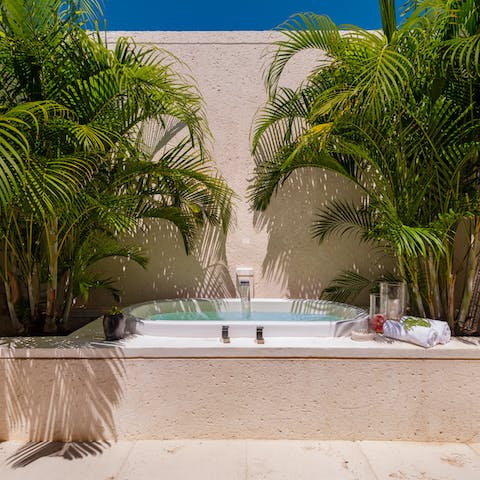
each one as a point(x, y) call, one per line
point(420, 331)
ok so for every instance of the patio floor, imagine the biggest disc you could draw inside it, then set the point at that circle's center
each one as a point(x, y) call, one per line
point(240, 460)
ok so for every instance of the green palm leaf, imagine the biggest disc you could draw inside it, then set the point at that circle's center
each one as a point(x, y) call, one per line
point(346, 286)
point(302, 32)
point(342, 217)
point(389, 18)
point(463, 55)
point(82, 165)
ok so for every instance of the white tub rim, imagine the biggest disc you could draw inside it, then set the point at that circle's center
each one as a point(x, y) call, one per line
point(351, 317)
point(129, 310)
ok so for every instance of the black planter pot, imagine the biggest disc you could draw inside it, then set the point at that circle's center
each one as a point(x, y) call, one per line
point(114, 326)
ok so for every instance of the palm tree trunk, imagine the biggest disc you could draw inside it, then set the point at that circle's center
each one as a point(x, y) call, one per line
point(31, 294)
point(52, 284)
point(434, 298)
point(472, 324)
point(68, 299)
point(432, 273)
point(470, 274)
point(11, 289)
point(412, 270)
point(450, 282)
point(451, 299)
point(418, 298)
point(430, 296)
point(10, 295)
point(68, 307)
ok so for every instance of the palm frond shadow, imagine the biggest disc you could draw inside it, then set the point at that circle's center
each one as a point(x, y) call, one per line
point(207, 266)
point(211, 252)
point(33, 451)
point(297, 262)
point(61, 400)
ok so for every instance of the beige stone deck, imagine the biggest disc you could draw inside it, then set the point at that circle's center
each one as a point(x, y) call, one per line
point(240, 460)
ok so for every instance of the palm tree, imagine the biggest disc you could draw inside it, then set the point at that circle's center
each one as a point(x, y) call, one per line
point(14, 158)
point(391, 112)
point(126, 142)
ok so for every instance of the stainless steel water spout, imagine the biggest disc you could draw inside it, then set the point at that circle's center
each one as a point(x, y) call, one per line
point(244, 290)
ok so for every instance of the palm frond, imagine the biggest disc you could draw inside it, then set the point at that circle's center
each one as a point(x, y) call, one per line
point(288, 111)
point(51, 184)
point(16, 133)
point(14, 148)
point(342, 217)
point(346, 286)
point(89, 281)
point(302, 31)
point(100, 246)
point(383, 73)
point(406, 241)
point(184, 221)
point(389, 18)
point(463, 55)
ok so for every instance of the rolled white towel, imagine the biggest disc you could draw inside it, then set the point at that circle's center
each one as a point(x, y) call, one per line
point(420, 331)
point(443, 329)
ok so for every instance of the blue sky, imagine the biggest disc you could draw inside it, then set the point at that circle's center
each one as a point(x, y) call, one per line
point(224, 15)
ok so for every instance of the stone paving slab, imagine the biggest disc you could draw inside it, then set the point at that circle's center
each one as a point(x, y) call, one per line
point(306, 460)
point(422, 461)
point(185, 460)
point(62, 461)
point(239, 460)
point(475, 447)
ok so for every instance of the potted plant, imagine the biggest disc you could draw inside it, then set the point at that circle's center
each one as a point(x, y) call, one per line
point(114, 324)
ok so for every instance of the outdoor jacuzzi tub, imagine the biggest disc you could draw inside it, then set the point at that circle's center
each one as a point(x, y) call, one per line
point(197, 318)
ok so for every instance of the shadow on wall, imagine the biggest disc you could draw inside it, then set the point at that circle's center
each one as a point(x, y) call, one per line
point(59, 400)
point(171, 273)
point(302, 265)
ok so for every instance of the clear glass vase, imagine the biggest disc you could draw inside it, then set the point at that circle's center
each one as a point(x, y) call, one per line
point(376, 316)
point(393, 299)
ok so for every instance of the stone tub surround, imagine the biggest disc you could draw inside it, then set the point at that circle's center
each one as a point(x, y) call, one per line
point(88, 342)
point(305, 389)
point(143, 346)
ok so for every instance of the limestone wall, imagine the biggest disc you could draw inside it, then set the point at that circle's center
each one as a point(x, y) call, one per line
point(108, 399)
point(228, 68)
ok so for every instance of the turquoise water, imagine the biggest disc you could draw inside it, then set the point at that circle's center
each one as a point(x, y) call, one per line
point(238, 316)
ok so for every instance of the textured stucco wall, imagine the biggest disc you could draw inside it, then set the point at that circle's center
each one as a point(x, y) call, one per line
point(262, 398)
point(228, 69)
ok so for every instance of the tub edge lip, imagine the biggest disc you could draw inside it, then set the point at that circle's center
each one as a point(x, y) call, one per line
point(320, 348)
